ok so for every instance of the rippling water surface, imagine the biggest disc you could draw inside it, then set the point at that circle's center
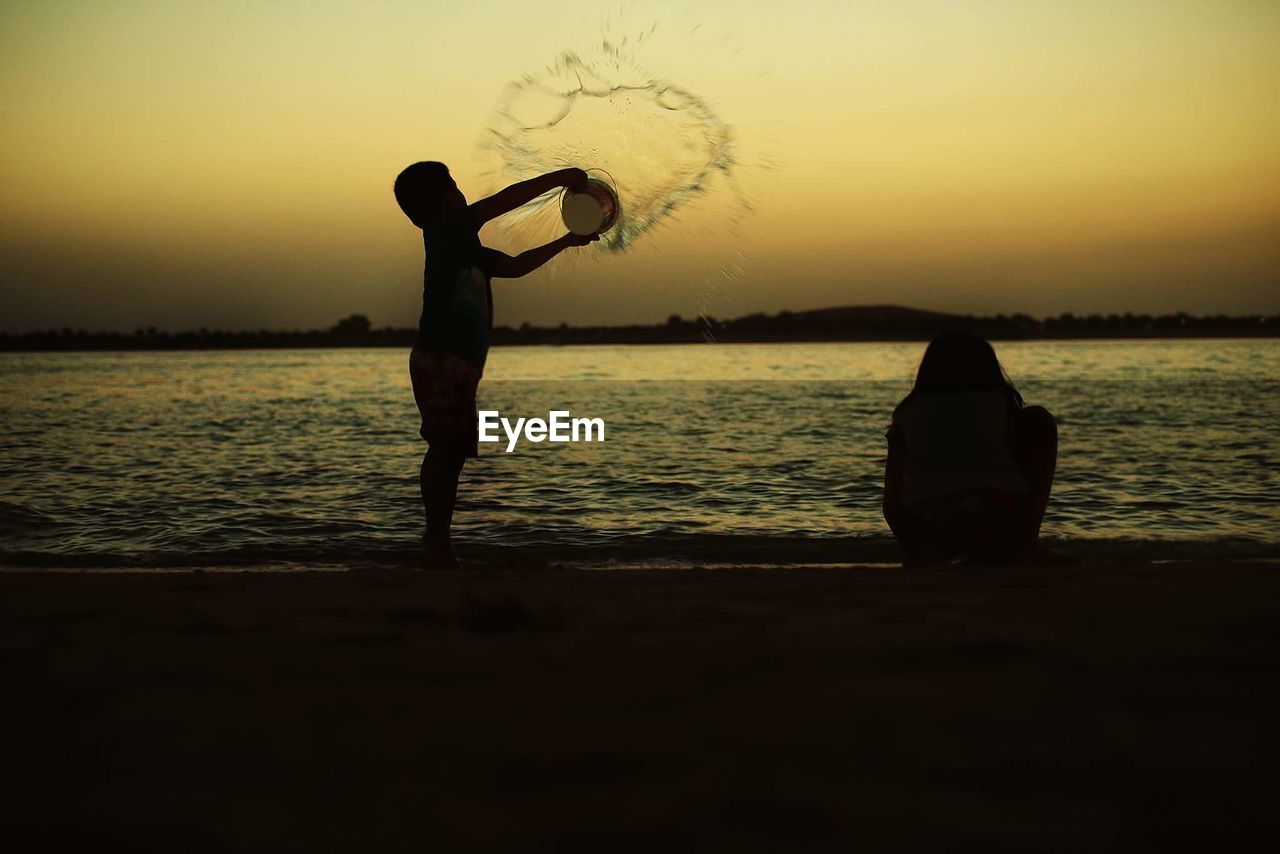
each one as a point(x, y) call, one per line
point(746, 453)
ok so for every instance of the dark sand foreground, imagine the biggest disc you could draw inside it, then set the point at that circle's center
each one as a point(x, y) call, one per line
point(1110, 707)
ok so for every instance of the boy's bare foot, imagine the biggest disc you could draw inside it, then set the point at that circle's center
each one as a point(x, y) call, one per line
point(439, 557)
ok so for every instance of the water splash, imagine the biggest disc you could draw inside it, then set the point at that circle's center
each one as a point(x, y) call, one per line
point(663, 145)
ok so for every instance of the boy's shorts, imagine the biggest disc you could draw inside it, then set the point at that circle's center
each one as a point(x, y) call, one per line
point(444, 387)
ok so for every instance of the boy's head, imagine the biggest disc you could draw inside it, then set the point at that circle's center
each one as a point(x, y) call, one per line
point(425, 190)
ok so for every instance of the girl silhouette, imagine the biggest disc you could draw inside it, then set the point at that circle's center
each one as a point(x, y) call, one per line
point(969, 466)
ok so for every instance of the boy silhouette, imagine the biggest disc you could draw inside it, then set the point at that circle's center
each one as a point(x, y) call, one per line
point(448, 357)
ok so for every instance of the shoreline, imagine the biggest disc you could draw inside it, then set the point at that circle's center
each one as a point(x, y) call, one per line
point(781, 552)
point(533, 569)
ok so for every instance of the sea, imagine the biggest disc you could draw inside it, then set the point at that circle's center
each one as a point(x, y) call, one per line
point(713, 455)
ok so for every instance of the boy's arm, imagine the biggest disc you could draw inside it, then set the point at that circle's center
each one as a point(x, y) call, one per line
point(506, 267)
point(523, 192)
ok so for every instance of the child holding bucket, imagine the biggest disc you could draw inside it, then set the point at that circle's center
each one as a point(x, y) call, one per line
point(448, 358)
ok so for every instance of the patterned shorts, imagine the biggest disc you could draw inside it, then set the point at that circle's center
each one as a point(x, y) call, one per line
point(444, 386)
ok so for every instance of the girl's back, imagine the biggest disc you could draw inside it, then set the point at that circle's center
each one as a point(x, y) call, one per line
point(956, 443)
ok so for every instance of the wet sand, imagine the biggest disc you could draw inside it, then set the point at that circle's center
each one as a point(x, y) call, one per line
point(1104, 707)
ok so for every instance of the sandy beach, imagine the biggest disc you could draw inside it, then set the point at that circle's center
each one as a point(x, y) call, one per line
point(1104, 707)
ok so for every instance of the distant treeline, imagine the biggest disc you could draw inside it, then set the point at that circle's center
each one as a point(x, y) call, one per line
point(859, 323)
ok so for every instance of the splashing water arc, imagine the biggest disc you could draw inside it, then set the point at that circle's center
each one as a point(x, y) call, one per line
point(661, 144)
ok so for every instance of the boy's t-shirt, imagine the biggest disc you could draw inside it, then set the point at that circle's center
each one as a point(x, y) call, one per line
point(457, 300)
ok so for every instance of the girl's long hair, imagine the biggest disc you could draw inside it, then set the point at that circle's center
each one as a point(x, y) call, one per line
point(956, 361)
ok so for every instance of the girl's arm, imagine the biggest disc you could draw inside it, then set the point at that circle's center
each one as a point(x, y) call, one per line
point(891, 506)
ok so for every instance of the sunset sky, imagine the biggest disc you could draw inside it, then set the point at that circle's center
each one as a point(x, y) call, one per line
point(218, 164)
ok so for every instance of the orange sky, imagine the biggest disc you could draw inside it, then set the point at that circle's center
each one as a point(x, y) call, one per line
point(198, 164)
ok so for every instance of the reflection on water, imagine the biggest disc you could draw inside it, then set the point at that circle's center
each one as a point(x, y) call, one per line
point(730, 453)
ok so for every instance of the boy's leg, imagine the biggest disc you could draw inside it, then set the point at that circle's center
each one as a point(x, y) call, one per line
point(438, 480)
point(444, 388)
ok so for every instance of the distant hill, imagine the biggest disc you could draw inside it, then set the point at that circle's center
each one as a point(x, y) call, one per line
point(855, 320)
point(895, 323)
point(844, 323)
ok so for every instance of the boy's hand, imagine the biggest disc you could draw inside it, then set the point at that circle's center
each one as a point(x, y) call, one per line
point(573, 177)
point(572, 239)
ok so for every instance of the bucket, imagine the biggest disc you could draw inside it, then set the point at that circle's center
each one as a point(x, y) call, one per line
point(594, 208)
